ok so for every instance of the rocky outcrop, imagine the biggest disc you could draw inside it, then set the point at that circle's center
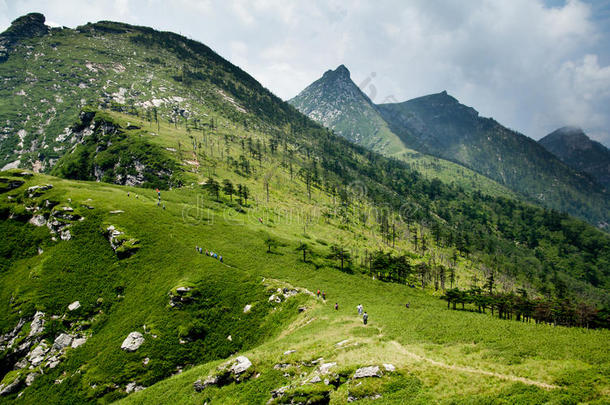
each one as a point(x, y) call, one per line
point(27, 26)
point(37, 325)
point(123, 246)
point(366, 372)
point(236, 370)
point(132, 342)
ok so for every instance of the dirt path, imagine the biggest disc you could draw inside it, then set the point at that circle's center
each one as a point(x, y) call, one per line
point(473, 370)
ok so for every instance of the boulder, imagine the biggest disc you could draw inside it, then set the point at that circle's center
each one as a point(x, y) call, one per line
point(133, 387)
point(78, 342)
point(325, 367)
point(247, 308)
point(36, 356)
point(37, 325)
point(275, 298)
point(200, 386)
point(287, 352)
point(389, 367)
point(182, 290)
point(65, 235)
point(6, 389)
point(315, 379)
point(62, 341)
point(38, 220)
point(74, 306)
point(132, 342)
point(370, 371)
point(241, 364)
point(29, 380)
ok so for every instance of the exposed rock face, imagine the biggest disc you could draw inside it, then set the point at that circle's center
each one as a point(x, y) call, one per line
point(29, 380)
point(62, 341)
point(27, 26)
point(6, 389)
point(370, 371)
point(36, 356)
point(38, 220)
point(200, 386)
point(325, 368)
point(37, 325)
point(132, 342)
point(122, 246)
point(133, 387)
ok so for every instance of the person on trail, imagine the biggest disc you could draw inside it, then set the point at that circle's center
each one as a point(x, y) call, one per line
point(365, 318)
point(158, 202)
point(207, 253)
point(407, 305)
point(137, 197)
point(163, 205)
point(128, 194)
point(318, 293)
point(215, 255)
point(323, 295)
point(220, 258)
point(336, 306)
point(359, 307)
point(197, 248)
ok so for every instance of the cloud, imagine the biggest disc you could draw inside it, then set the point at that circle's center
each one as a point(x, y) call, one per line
point(532, 66)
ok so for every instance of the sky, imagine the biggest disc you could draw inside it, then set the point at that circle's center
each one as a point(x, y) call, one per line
point(533, 65)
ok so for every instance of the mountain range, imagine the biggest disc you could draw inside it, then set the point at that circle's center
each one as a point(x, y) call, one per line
point(439, 125)
point(172, 232)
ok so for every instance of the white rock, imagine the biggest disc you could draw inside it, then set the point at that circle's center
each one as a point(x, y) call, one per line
point(247, 308)
point(74, 306)
point(370, 371)
point(62, 341)
point(229, 338)
point(65, 235)
point(325, 368)
point(287, 352)
point(389, 367)
point(78, 342)
point(38, 220)
point(37, 325)
point(182, 290)
point(315, 379)
point(133, 387)
point(341, 343)
point(30, 378)
point(242, 363)
point(36, 356)
point(132, 342)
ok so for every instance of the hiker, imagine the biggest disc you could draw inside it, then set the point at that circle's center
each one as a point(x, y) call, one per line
point(196, 248)
point(158, 202)
point(207, 253)
point(260, 220)
point(215, 255)
point(128, 194)
point(323, 295)
point(407, 305)
point(336, 306)
point(359, 307)
point(318, 293)
point(220, 258)
point(163, 205)
point(137, 197)
point(365, 318)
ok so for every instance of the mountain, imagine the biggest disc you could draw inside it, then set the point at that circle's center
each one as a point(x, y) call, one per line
point(439, 125)
point(173, 250)
point(574, 148)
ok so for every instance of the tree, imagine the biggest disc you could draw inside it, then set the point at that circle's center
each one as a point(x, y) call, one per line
point(227, 188)
point(271, 242)
point(303, 247)
point(339, 253)
point(214, 187)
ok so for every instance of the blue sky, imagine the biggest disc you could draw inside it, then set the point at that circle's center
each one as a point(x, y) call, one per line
point(533, 65)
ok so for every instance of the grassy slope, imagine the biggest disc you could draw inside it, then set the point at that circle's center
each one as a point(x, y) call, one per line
point(570, 358)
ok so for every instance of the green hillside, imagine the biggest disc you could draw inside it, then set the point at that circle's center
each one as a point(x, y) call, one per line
point(106, 297)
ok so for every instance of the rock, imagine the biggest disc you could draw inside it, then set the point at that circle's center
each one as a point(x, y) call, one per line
point(53, 362)
point(247, 308)
point(145, 361)
point(37, 325)
point(275, 298)
point(211, 380)
point(6, 389)
point(281, 366)
point(132, 342)
point(65, 235)
point(279, 392)
point(74, 306)
point(38, 190)
point(365, 372)
point(29, 380)
point(133, 387)
point(389, 367)
point(342, 343)
point(38, 220)
point(287, 292)
point(117, 212)
point(315, 379)
point(183, 290)
point(325, 368)
point(302, 309)
point(62, 341)
point(78, 342)
point(36, 356)
point(287, 352)
point(229, 338)
point(23, 363)
point(242, 364)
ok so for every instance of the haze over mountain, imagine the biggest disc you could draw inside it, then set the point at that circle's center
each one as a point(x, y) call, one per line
point(173, 233)
point(577, 150)
point(438, 124)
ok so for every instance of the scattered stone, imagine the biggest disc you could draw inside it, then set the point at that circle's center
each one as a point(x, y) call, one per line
point(229, 338)
point(36, 356)
point(287, 352)
point(38, 220)
point(183, 290)
point(389, 367)
point(53, 362)
point(275, 298)
point(342, 343)
point(200, 386)
point(37, 325)
point(247, 308)
point(29, 380)
point(62, 341)
point(315, 379)
point(146, 361)
point(132, 342)
point(279, 392)
point(133, 387)
point(23, 363)
point(325, 368)
point(65, 235)
point(78, 342)
point(365, 372)
point(242, 363)
point(38, 190)
point(74, 306)
point(281, 366)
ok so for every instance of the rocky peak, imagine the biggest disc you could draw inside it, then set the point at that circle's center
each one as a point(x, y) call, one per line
point(27, 26)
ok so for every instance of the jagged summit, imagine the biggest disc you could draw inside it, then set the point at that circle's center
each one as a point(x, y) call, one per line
point(27, 26)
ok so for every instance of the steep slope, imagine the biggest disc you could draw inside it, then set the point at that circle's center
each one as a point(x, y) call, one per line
point(336, 102)
point(574, 148)
point(456, 132)
point(104, 292)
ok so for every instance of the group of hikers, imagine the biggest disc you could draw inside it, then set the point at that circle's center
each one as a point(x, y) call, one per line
point(215, 255)
point(363, 314)
point(158, 198)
